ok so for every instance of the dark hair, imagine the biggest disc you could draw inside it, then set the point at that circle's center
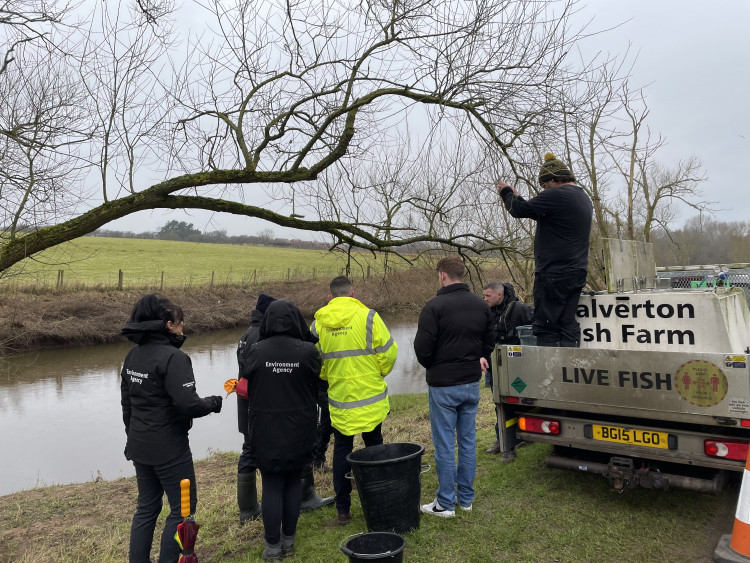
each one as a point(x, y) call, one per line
point(151, 307)
point(567, 179)
point(453, 267)
point(341, 286)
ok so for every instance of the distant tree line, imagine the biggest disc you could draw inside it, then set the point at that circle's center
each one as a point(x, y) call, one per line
point(703, 240)
point(700, 240)
point(183, 231)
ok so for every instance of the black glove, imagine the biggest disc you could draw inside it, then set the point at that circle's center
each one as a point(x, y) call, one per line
point(215, 402)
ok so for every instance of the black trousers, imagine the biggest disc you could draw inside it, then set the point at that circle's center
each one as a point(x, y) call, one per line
point(282, 498)
point(342, 447)
point(153, 482)
point(324, 433)
point(246, 464)
point(556, 296)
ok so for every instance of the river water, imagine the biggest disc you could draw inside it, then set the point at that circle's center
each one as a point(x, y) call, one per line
point(60, 415)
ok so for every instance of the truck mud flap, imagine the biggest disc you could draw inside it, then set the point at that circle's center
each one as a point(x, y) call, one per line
point(623, 474)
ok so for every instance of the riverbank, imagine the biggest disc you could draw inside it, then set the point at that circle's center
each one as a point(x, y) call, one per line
point(523, 511)
point(90, 316)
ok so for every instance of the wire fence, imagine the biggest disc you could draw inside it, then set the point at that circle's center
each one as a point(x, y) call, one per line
point(708, 278)
point(63, 280)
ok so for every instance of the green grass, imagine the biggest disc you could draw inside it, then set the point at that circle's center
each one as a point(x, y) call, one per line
point(96, 261)
point(523, 511)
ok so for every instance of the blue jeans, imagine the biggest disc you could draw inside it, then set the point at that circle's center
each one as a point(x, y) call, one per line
point(153, 482)
point(453, 413)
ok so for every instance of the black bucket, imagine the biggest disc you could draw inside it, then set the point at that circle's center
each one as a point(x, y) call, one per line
point(388, 482)
point(375, 546)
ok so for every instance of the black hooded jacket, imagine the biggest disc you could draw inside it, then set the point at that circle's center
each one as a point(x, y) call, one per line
point(282, 372)
point(158, 395)
point(248, 338)
point(508, 315)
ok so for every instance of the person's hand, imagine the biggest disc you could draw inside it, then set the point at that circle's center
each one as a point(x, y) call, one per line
point(216, 402)
point(484, 364)
point(502, 185)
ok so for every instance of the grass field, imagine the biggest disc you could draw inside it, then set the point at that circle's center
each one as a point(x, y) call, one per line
point(97, 261)
point(523, 512)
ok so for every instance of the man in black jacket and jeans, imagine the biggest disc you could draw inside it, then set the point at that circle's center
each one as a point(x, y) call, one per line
point(453, 340)
point(508, 313)
point(563, 214)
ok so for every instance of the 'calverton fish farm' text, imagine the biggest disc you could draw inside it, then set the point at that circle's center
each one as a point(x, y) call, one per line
point(644, 312)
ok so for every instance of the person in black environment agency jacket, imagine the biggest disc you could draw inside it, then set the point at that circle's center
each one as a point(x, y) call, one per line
point(159, 402)
point(247, 493)
point(282, 371)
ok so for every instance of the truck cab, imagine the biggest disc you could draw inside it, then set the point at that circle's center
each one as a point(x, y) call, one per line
point(657, 395)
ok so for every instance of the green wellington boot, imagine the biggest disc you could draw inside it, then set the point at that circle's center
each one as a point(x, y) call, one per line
point(247, 497)
point(310, 499)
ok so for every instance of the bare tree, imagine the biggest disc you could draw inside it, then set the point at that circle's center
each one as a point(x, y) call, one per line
point(272, 94)
point(30, 24)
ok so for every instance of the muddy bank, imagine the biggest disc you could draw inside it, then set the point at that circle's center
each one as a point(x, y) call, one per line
point(84, 317)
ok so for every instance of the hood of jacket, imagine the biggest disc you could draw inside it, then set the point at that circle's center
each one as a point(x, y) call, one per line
point(151, 331)
point(283, 318)
point(338, 312)
point(509, 294)
point(256, 317)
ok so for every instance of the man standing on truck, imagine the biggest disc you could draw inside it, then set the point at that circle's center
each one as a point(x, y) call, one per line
point(563, 213)
point(358, 352)
point(508, 313)
point(453, 342)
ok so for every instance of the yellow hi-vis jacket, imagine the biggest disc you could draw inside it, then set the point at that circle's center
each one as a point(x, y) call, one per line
point(358, 352)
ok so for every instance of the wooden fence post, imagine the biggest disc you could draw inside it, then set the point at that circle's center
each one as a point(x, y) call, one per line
point(60, 274)
point(368, 270)
point(119, 280)
point(288, 273)
point(255, 276)
point(161, 287)
point(212, 279)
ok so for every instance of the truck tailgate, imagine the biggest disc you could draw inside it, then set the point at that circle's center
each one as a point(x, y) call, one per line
point(692, 387)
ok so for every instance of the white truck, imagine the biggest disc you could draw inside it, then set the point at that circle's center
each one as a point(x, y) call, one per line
point(658, 394)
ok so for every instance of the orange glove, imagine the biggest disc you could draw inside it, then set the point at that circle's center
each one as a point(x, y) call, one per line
point(229, 386)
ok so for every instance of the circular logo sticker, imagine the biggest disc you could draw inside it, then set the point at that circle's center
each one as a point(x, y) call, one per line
point(701, 383)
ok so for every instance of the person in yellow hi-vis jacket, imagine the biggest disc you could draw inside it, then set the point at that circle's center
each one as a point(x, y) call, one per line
point(358, 352)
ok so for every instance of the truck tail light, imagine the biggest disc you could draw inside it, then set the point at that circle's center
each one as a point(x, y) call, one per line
point(726, 449)
point(538, 425)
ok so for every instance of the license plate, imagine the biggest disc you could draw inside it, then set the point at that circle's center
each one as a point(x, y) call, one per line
point(631, 436)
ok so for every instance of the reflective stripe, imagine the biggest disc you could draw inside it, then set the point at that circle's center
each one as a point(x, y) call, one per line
point(312, 330)
point(384, 347)
point(743, 502)
point(367, 351)
point(347, 354)
point(360, 403)
point(370, 317)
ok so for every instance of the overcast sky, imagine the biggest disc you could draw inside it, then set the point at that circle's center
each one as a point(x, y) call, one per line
point(694, 60)
point(694, 63)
